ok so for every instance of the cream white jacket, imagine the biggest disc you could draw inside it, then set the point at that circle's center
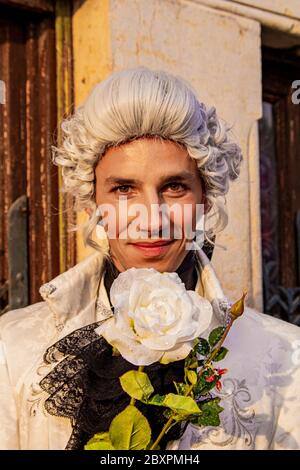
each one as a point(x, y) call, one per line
point(260, 394)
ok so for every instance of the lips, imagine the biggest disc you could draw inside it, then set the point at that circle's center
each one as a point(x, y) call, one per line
point(153, 244)
point(153, 249)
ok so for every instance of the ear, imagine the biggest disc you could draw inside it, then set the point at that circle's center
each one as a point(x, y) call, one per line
point(88, 210)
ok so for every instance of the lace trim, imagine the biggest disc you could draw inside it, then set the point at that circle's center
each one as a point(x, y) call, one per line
point(84, 386)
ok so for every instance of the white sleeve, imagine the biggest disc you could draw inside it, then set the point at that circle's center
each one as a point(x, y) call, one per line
point(9, 434)
point(287, 434)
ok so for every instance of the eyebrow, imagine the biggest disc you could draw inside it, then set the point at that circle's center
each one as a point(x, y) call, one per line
point(182, 176)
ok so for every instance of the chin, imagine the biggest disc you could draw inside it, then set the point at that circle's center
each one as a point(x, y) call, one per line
point(160, 264)
point(164, 264)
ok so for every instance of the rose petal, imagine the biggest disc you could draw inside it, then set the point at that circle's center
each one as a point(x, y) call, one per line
point(122, 323)
point(155, 316)
point(177, 353)
point(204, 313)
point(160, 342)
point(133, 351)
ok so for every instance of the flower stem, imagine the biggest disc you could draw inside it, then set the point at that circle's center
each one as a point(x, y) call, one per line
point(217, 349)
point(200, 373)
point(162, 433)
point(213, 353)
point(133, 400)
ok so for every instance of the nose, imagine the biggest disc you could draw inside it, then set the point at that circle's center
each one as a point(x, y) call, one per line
point(151, 217)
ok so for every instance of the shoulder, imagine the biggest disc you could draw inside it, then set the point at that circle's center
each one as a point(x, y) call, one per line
point(269, 326)
point(262, 339)
point(24, 318)
point(24, 335)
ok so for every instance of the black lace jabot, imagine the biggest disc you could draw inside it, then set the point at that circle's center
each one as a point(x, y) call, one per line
point(186, 271)
point(84, 386)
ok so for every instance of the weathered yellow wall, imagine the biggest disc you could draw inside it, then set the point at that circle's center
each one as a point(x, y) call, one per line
point(282, 7)
point(92, 61)
point(219, 53)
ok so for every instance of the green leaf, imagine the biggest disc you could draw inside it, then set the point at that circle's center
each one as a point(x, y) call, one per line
point(157, 400)
point(221, 354)
point(191, 362)
point(177, 403)
point(192, 376)
point(203, 347)
point(210, 413)
point(137, 384)
point(99, 442)
point(181, 388)
point(130, 430)
point(216, 335)
point(181, 404)
point(177, 418)
point(202, 387)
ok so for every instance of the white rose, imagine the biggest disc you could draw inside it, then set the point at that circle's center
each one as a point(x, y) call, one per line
point(155, 317)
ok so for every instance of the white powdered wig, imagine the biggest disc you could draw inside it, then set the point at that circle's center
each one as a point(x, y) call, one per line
point(141, 102)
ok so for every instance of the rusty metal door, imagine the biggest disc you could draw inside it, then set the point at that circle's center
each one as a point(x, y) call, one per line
point(29, 254)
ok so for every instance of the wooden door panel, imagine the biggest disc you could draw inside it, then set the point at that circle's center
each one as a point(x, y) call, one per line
point(27, 124)
point(280, 184)
point(42, 175)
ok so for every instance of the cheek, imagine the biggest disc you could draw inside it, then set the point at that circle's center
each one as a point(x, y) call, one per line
point(109, 213)
point(184, 219)
point(116, 219)
point(116, 224)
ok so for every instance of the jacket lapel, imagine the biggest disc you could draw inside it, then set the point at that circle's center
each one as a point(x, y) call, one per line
point(80, 291)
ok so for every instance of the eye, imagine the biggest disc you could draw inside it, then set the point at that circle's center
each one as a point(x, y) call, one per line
point(122, 189)
point(176, 187)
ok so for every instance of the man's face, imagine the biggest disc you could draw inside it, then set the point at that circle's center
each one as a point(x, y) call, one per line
point(149, 172)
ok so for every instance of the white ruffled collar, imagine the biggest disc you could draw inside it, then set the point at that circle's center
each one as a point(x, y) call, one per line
point(78, 289)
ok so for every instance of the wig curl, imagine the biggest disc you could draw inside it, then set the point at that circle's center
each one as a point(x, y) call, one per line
point(137, 103)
